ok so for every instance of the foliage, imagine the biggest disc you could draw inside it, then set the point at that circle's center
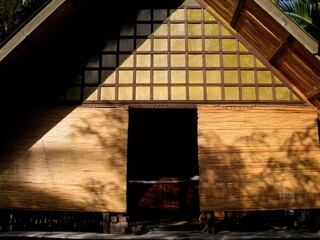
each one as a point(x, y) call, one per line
point(13, 13)
point(303, 12)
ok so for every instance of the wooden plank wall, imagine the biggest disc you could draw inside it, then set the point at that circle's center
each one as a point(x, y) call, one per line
point(255, 158)
point(67, 159)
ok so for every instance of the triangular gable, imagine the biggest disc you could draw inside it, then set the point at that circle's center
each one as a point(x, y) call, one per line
point(279, 44)
point(177, 55)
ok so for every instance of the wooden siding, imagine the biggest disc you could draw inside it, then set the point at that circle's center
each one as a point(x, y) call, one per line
point(78, 164)
point(254, 158)
point(276, 47)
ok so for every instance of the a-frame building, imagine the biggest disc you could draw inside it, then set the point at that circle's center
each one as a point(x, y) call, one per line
point(116, 114)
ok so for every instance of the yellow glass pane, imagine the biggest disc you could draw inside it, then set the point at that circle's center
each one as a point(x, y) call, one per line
point(277, 80)
point(212, 60)
point(242, 48)
point(125, 93)
point(211, 44)
point(195, 76)
point(160, 77)
point(109, 60)
point(160, 60)
point(228, 44)
point(90, 93)
point(178, 45)
point(213, 93)
point(265, 93)
point(108, 93)
point(282, 93)
point(143, 60)
point(231, 93)
point(142, 93)
point(73, 94)
point(247, 77)
point(160, 93)
point(213, 76)
point(178, 93)
point(264, 77)
point(248, 93)
point(259, 63)
point(108, 77)
point(211, 29)
point(246, 61)
point(208, 16)
point(178, 76)
point(91, 77)
point(142, 76)
point(143, 45)
point(143, 29)
point(125, 77)
point(178, 14)
point(161, 30)
point(196, 93)
point(230, 60)
point(160, 45)
point(160, 14)
point(225, 32)
point(178, 60)
point(194, 29)
point(194, 44)
point(177, 29)
point(126, 61)
point(295, 97)
point(230, 76)
point(195, 60)
point(194, 14)
point(126, 44)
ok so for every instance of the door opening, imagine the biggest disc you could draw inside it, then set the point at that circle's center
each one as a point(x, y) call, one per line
point(162, 160)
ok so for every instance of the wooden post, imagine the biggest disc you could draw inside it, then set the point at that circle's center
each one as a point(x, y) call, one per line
point(210, 218)
point(106, 222)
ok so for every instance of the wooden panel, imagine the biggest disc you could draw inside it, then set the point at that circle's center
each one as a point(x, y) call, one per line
point(77, 163)
point(258, 158)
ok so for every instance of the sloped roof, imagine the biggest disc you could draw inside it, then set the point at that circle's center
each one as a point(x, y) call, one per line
point(279, 43)
point(262, 28)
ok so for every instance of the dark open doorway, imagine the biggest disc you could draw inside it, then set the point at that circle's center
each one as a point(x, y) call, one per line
point(162, 159)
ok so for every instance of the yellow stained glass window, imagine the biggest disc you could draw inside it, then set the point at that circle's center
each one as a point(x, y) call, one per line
point(195, 60)
point(142, 76)
point(194, 29)
point(242, 48)
point(178, 76)
point(264, 77)
point(178, 14)
point(212, 60)
point(160, 93)
point(178, 45)
point(194, 44)
point(213, 93)
point(160, 45)
point(194, 14)
point(90, 93)
point(231, 93)
point(178, 93)
point(224, 31)
point(282, 93)
point(143, 60)
point(160, 60)
point(177, 29)
point(108, 93)
point(246, 61)
point(248, 93)
point(230, 76)
point(229, 45)
point(208, 16)
point(230, 60)
point(211, 29)
point(178, 60)
point(265, 93)
point(125, 93)
point(247, 77)
point(195, 93)
point(211, 44)
point(108, 77)
point(126, 60)
point(143, 45)
point(160, 29)
point(160, 77)
point(213, 76)
point(195, 76)
point(142, 93)
point(125, 77)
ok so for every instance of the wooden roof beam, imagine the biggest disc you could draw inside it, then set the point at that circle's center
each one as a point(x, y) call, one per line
point(237, 13)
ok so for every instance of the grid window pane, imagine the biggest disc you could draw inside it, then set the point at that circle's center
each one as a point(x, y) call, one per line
point(142, 93)
point(230, 60)
point(143, 45)
point(264, 77)
point(126, 44)
point(177, 29)
point(144, 15)
point(231, 93)
point(178, 45)
point(213, 76)
point(247, 77)
point(230, 76)
point(194, 14)
point(125, 93)
point(248, 93)
point(211, 44)
point(178, 14)
point(178, 76)
point(108, 77)
point(195, 93)
point(196, 76)
point(194, 44)
point(265, 93)
point(143, 60)
point(109, 60)
point(125, 77)
point(126, 60)
point(246, 61)
point(194, 29)
point(160, 45)
point(195, 60)
point(160, 60)
point(142, 76)
point(282, 93)
point(108, 93)
point(228, 45)
point(212, 60)
point(160, 93)
point(73, 94)
point(143, 29)
point(213, 93)
point(127, 30)
point(208, 16)
point(91, 77)
point(178, 60)
point(90, 93)
point(211, 29)
point(160, 77)
point(160, 14)
point(160, 30)
point(178, 93)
